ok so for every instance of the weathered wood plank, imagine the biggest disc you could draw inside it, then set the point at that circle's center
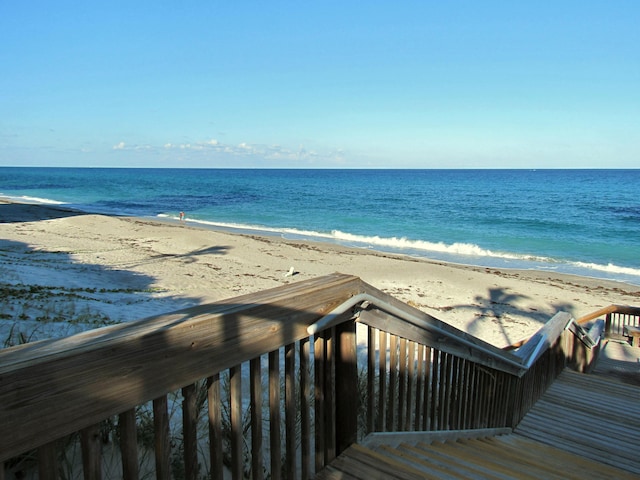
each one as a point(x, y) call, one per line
point(275, 443)
point(382, 381)
point(290, 412)
point(393, 381)
point(419, 386)
point(329, 394)
point(402, 384)
point(411, 367)
point(434, 390)
point(371, 379)
point(91, 452)
point(456, 342)
point(56, 387)
point(319, 350)
point(305, 410)
point(543, 338)
point(426, 404)
point(255, 374)
point(235, 409)
point(129, 444)
point(189, 431)
point(47, 463)
point(347, 385)
point(161, 438)
point(214, 401)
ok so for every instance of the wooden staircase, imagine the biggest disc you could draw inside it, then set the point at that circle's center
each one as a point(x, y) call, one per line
point(584, 426)
point(503, 457)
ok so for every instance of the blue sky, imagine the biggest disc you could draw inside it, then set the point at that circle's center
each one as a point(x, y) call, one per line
point(426, 84)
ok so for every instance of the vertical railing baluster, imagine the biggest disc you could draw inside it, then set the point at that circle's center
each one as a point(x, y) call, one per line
point(393, 375)
point(189, 432)
point(47, 463)
point(347, 398)
point(319, 352)
point(371, 378)
point(329, 396)
point(426, 404)
point(411, 358)
point(419, 386)
point(255, 385)
point(453, 393)
point(161, 435)
point(235, 410)
point(402, 384)
point(128, 444)
point(290, 408)
point(275, 446)
point(214, 412)
point(305, 411)
point(435, 388)
point(91, 452)
point(467, 400)
point(444, 401)
point(382, 381)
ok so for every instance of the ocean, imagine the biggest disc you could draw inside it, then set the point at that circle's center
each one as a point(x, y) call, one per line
point(584, 222)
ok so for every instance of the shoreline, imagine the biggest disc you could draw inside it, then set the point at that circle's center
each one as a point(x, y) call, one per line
point(461, 252)
point(118, 268)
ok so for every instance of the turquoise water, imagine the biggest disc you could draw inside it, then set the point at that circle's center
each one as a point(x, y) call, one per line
point(574, 221)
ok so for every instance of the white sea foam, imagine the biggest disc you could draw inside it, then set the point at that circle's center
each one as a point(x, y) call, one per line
point(609, 268)
point(463, 249)
point(457, 252)
point(28, 199)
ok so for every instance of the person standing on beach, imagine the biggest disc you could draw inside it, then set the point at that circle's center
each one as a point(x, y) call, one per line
point(182, 216)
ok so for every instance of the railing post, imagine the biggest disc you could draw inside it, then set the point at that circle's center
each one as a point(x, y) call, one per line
point(161, 437)
point(214, 412)
point(129, 448)
point(47, 463)
point(189, 431)
point(347, 395)
point(91, 452)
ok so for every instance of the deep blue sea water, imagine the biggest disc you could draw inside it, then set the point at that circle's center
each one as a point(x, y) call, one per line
point(585, 222)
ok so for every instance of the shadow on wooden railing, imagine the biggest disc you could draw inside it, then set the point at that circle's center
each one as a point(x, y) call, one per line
point(333, 356)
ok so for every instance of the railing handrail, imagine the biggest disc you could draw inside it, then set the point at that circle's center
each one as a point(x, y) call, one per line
point(449, 338)
point(623, 309)
point(110, 370)
point(605, 311)
point(543, 338)
point(52, 388)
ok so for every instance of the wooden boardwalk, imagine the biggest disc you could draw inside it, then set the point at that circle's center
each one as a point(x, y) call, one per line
point(594, 416)
point(620, 361)
point(584, 426)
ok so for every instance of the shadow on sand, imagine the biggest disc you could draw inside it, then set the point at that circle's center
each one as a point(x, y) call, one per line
point(25, 212)
point(498, 306)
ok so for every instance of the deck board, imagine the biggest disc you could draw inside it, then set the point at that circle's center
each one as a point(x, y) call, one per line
point(584, 426)
point(596, 416)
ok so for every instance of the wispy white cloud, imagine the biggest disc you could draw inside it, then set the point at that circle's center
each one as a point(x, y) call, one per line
point(133, 148)
point(271, 154)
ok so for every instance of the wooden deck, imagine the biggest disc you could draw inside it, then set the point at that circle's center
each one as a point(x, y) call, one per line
point(595, 416)
point(621, 361)
point(584, 426)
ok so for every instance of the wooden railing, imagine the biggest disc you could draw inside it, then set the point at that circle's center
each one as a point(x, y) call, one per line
point(616, 318)
point(274, 384)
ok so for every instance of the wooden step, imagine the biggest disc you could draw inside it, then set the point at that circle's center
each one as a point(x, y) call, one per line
point(503, 457)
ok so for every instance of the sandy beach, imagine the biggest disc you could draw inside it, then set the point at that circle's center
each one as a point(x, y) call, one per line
point(63, 271)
